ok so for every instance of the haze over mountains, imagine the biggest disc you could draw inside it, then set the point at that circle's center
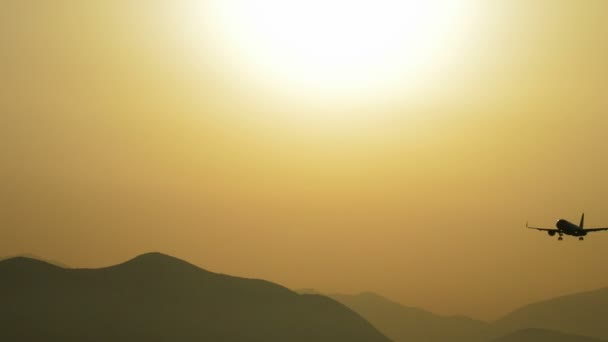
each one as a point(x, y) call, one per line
point(584, 313)
point(576, 317)
point(402, 323)
point(540, 335)
point(155, 297)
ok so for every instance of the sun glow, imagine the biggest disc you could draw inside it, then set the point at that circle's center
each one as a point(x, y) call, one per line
point(334, 50)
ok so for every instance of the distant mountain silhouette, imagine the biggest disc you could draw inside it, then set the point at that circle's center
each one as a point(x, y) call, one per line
point(541, 335)
point(155, 297)
point(573, 316)
point(581, 313)
point(309, 291)
point(33, 256)
point(402, 323)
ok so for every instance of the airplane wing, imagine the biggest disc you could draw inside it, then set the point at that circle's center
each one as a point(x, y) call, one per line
point(595, 229)
point(545, 229)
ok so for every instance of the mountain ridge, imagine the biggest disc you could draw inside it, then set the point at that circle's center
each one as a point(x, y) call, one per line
point(162, 298)
point(540, 335)
point(35, 257)
point(402, 323)
point(577, 313)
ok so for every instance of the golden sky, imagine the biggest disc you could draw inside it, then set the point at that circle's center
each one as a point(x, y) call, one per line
point(131, 126)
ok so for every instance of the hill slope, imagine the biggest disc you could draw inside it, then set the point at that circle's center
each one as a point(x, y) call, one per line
point(155, 297)
point(33, 256)
point(581, 313)
point(541, 335)
point(402, 323)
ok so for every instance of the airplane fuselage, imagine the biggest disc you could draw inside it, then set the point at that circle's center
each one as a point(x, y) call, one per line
point(569, 228)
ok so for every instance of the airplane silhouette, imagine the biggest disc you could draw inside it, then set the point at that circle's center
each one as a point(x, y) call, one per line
point(565, 227)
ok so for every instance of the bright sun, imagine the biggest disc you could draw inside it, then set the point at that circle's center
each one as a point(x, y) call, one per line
point(334, 49)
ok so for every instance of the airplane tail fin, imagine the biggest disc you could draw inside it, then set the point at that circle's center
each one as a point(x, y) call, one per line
point(582, 220)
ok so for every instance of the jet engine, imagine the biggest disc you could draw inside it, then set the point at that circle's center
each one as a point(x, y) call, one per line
point(551, 233)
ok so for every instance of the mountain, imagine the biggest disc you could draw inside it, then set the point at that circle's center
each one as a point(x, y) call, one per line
point(309, 291)
point(567, 318)
point(541, 335)
point(581, 313)
point(402, 323)
point(33, 256)
point(155, 297)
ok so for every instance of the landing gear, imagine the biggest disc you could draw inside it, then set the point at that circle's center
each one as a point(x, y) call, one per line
point(581, 238)
point(560, 238)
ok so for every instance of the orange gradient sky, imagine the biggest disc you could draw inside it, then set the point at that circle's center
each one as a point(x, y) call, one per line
point(131, 126)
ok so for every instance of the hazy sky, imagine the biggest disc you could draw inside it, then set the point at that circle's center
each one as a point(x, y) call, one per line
point(123, 130)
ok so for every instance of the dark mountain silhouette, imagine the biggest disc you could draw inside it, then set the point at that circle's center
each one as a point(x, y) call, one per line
point(155, 297)
point(402, 323)
point(541, 335)
point(33, 256)
point(581, 313)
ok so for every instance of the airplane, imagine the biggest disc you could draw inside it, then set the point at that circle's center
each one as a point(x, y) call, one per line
point(564, 227)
